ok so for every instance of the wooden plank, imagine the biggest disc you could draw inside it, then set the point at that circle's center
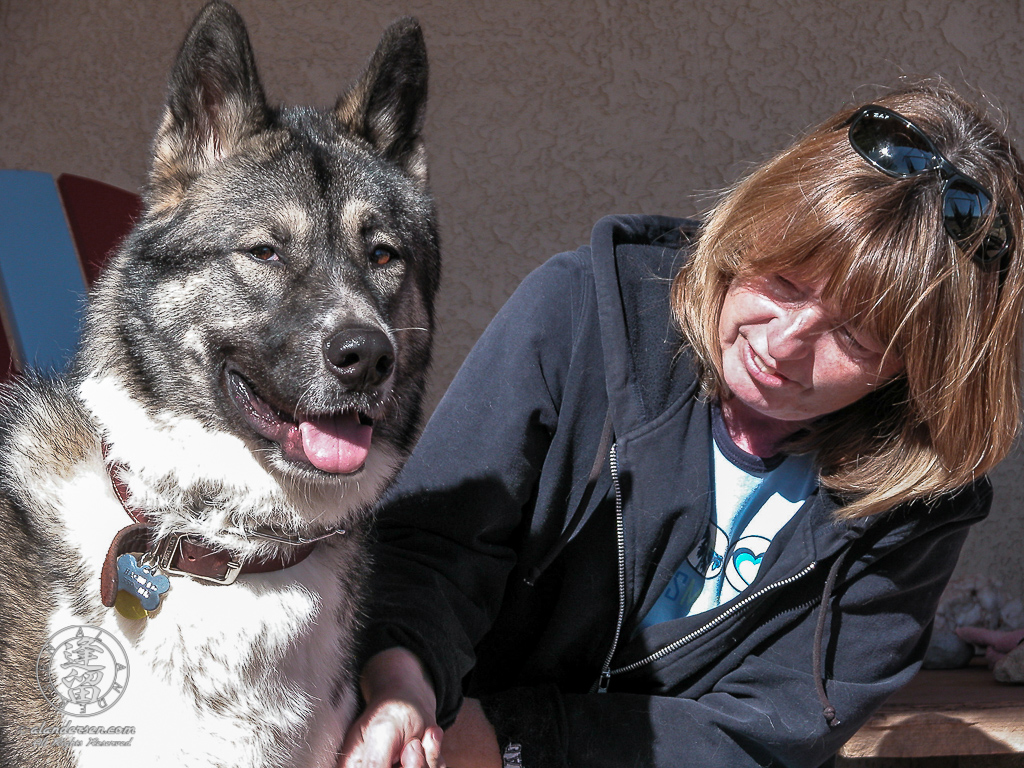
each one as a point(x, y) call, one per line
point(934, 734)
point(944, 713)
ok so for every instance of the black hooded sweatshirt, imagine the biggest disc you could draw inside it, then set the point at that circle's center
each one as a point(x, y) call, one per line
point(515, 580)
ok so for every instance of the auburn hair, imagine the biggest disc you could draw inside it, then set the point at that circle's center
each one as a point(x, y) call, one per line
point(820, 211)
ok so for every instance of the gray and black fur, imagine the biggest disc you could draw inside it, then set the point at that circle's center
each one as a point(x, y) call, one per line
point(286, 257)
point(226, 162)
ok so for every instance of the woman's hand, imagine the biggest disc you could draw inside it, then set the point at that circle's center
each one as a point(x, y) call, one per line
point(997, 643)
point(398, 726)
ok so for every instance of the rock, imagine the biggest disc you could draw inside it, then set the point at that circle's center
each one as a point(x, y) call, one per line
point(974, 600)
point(978, 601)
point(1010, 669)
point(1012, 613)
point(947, 651)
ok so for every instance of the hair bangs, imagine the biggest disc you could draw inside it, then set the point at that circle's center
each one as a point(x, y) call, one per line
point(879, 274)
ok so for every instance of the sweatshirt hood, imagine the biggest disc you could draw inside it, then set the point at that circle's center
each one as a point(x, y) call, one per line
point(639, 337)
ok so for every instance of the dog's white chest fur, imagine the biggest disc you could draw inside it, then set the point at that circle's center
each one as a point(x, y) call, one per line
point(242, 675)
point(239, 675)
point(251, 674)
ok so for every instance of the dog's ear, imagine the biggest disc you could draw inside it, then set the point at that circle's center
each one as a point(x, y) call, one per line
point(388, 103)
point(215, 102)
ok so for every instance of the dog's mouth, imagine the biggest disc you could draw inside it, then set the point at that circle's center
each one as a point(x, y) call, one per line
point(337, 443)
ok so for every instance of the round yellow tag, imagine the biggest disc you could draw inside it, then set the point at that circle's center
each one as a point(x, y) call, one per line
point(129, 606)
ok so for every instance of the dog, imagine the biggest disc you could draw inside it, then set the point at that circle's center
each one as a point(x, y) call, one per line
point(182, 514)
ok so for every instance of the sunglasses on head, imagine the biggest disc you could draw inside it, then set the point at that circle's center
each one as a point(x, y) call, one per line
point(898, 148)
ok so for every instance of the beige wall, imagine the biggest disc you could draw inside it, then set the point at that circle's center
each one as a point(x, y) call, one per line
point(543, 115)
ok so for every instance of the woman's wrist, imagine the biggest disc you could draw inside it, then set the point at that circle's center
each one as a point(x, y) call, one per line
point(397, 673)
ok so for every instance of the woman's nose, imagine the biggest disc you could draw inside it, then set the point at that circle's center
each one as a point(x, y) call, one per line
point(792, 334)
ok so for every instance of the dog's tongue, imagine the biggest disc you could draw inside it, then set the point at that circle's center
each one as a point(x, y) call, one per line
point(339, 444)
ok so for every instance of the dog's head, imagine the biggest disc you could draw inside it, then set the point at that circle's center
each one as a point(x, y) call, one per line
point(280, 284)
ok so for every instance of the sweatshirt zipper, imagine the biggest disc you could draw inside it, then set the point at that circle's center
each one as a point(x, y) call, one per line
point(602, 683)
point(606, 669)
point(711, 624)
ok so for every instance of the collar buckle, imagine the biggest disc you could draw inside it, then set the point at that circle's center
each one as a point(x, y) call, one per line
point(170, 557)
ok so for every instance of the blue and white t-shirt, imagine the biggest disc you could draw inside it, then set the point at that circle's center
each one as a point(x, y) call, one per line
point(754, 499)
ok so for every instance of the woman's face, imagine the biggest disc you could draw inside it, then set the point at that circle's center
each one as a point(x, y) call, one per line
point(789, 359)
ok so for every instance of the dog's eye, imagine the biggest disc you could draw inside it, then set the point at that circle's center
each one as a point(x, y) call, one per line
point(381, 255)
point(264, 253)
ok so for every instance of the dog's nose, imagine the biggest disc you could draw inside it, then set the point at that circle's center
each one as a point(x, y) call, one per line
point(360, 357)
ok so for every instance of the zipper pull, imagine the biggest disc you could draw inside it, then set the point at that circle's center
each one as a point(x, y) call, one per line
point(603, 681)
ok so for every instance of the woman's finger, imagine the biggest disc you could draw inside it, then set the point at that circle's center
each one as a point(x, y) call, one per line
point(413, 755)
point(432, 747)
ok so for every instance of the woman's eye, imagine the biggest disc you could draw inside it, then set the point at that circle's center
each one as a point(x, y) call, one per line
point(264, 253)
point(849, 339)
point(784, 289)
point(381, 255)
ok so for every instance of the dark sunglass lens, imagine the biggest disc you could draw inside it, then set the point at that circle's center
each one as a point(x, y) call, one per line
point(963, 207)
point(997, 240)
point(894, 147)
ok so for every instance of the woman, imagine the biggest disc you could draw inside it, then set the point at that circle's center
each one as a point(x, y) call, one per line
point(724, 547)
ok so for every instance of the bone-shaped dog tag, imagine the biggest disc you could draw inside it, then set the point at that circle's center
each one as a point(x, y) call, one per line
point(145, 582)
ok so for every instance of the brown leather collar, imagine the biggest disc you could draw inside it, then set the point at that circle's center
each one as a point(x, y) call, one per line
point(179, 553)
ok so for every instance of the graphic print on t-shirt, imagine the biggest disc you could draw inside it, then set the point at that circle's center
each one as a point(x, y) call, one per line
point(754, 499)
point(690, 579)
point(745, 561)
point(708, 560)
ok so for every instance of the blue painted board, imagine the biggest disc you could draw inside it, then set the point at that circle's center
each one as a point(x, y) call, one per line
point(43, 288)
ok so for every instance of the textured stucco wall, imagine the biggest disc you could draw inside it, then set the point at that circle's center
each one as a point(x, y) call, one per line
point(543, 116)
